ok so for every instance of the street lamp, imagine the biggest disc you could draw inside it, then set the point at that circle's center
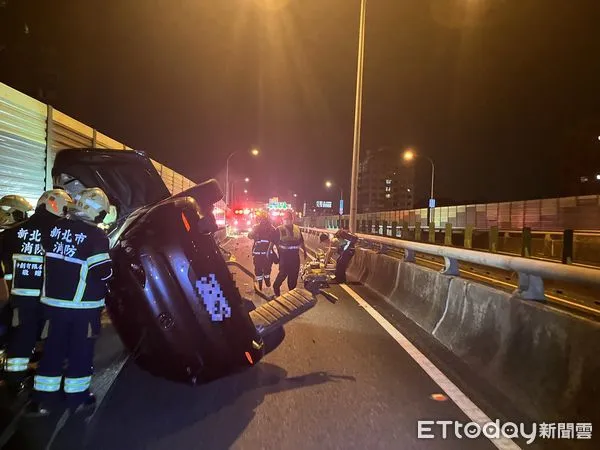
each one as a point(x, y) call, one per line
point(328, 185)
point(254, 152)
point(408, 156)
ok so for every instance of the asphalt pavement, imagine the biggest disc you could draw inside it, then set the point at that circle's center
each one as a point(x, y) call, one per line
point(338, 381)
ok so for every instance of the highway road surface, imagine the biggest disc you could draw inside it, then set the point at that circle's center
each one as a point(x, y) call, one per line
point(354, 375)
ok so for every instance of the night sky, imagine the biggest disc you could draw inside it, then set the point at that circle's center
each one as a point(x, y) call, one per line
point(504, 95)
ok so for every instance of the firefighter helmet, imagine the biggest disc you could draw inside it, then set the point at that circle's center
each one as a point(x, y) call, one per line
point(56, 201)
point(13, 209)
point(92, 205)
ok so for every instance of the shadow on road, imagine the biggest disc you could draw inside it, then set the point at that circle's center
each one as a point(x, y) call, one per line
point(141, 410)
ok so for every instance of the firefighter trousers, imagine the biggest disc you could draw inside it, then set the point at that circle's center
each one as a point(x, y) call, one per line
point(262, 270)
point(26, 315)
point(72, 334)
point(289, 267)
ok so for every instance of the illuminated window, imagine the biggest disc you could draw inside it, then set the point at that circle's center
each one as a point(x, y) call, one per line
point(388, 195)
point(388, 181)
point(388, 189)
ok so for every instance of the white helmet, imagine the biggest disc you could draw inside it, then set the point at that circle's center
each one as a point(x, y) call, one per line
point(91, 205)
point(13, 209)
point(56, 201)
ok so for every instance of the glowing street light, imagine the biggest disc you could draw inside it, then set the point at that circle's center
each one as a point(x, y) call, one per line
point(409, 155)
point(254, 152)
point(246, 180)
point(245, 191)
point(329, 184)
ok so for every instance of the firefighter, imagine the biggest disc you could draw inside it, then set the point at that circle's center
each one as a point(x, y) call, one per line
point(23, 261)
point(341, 249)
point(288, 239)
point(262, 249)
point(75, 284)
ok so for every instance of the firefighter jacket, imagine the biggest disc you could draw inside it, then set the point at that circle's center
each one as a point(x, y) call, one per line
point(22, 255)
point(262, 235)
point(77, 266)
point(288, 240)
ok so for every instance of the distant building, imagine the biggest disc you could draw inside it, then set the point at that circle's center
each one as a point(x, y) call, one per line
point(385, 183)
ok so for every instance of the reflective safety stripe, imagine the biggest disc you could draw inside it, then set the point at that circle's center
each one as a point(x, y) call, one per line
point(28, 258)
point(289, 247)
point(16, 364)
point(267, 277)
point(46, 384)
point(82, 283)
point(259, 253)
point(75, 385)
point(8, 276)
point(100, 257)
point(71, 304)
point(25, 292)
point(259, 277)
point(66, 258)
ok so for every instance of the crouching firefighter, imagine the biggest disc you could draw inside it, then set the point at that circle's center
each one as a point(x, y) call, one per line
point(23, 262)
point(262, 250)
point(77, 267)
point(341, 249)
point(288, 239)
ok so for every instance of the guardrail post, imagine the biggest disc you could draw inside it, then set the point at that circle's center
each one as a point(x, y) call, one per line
point(418, 231)
point(370, 225)
point(363, 226)
point(409, 255)
point(451, 267)
point(526, 242)
point(377, 227)
point(432, 232)
point(531, 287)
point(405, 230)
point(394, 229)
point(385, 228)
point(494, 239)
point(567, 251)
point(548, 247)
point(448, 234)
point(468, 236)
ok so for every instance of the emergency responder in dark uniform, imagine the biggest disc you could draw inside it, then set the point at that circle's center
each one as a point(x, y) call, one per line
point(77, 268)
point(262, 250)
point(288, 239)
point(341, 248)
point(13, 210)
point(23, 261)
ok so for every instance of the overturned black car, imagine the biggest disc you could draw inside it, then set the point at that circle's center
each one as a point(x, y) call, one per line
point(172, 298)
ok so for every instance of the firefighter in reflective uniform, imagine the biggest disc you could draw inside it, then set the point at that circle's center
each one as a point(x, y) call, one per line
point(13, 210)
point(288, 239)
point(23, 262)
point(75, 284)
point(262, 249)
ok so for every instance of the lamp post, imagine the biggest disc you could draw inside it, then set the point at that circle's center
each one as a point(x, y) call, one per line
point(254, 152)
point(357, 116)
point(329, 184)
point(410, 155)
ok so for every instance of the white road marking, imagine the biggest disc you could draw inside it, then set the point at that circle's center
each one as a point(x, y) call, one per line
point(472, 411)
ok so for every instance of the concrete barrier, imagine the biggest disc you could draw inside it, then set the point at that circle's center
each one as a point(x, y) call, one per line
point(420, 295)
point(546, 360)
point(383, 275)
point(359, 265)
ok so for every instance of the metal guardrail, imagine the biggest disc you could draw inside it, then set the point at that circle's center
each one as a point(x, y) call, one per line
point(531, 272)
